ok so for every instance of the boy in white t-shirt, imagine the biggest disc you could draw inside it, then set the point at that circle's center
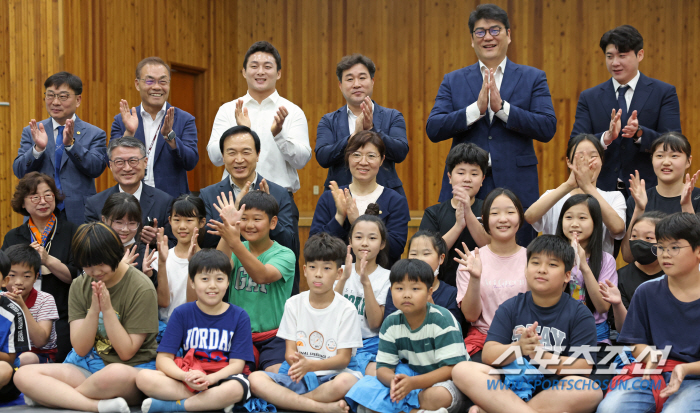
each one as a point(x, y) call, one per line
point(322, 332)
point(39, 307)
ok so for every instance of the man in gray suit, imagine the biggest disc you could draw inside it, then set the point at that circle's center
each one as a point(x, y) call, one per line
point(63, 146)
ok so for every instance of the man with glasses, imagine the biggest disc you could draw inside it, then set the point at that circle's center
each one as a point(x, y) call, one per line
point(127, 160)
point(63, 146)
point(627, 112)
point(169, 133)
point(498, 105)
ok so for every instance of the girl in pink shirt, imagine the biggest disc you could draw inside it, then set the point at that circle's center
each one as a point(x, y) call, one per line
point(494, 273)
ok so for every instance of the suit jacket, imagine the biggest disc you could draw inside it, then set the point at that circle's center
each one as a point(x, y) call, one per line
point(332, 137)
point(531, 116)
point(79, 166)
point(283, 233)
point(170, 166)
point(60, 249)
point(658, 112)
point(154, 204)
point(394, 213)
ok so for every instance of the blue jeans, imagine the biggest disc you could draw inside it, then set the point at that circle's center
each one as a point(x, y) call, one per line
point(636, 397)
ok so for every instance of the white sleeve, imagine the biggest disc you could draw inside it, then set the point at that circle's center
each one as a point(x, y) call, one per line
point(293, 140)
point(381, 293)
point(224, 120)
point(288, 325)
point(544, 222)
point(349, 332)
point(503, 114)
point(617, 202)
point(473, 113)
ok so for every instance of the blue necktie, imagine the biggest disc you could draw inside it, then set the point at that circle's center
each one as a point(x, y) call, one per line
point(623, 103)
point(57, 162)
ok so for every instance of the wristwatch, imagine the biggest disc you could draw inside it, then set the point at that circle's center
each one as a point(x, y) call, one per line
point(503, 104)
point(636, 135)
point(170, 136)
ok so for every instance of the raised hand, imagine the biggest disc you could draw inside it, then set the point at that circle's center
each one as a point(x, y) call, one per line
point(95, 303)
point(367, 113)
point(459, 215)
point(168, 121)
point(630, 130)
point(162, 245)
point(351, 207)
point(130, 256)
point(638, 191)
point(41, 250)
point(39, 135)
point(529, 340)
point(229, 228)
point(364, 277)
point(227, 207)
point(148, 259)
point(278, 120)
point(244, 192)
point(583, 173)
point(470, 260)
point(103, 294)
point(339, 198)
point(194, 245)
point(16, 296)
point(129, 118)
point(494, 93)
point(615, 126)
point(359, 123)
point(264, 187)
point(688, 186)
point(241, 114)
point(580, 254)
point(347, 270)
point(482, 102)
point(68, 132)
point(148, 233)
point(610, 292)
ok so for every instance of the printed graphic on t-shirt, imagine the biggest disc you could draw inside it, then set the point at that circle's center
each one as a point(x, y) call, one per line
point(210, 343)
point(102, 343)
point(244, 282)
point(552, 338)
point(311, 345)
point(358, 302)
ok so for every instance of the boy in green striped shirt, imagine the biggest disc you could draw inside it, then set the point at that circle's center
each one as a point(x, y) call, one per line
point(424, 335)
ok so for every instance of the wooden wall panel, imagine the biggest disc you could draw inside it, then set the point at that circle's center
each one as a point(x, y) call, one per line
point(413, 42)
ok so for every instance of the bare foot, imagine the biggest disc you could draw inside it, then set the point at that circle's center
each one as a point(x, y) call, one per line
point(338, 407)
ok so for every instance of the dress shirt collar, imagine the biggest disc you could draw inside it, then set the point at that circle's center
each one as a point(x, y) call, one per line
point(56, 124)
point(632, 83)
point(502, 66)
point(272, 98)
point(137, 194)
point(252, 184)
point(161, 111)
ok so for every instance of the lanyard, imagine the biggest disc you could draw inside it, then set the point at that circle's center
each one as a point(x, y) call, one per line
point(155, 136)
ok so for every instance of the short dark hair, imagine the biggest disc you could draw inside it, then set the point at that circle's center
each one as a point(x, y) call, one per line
point(372, 215)
point(554, 246)
point(486, 208)
point(415, 270)
point(650, 216)
point(435, 239)
point(153, 60)
point(4, 264)
point(576, 141)
point(672, 141)
point(27, 186)
point(625, 38)
point(239, 130)
point(64, 78)
point(125, 142)
point(265, 47)
point(188, 205)
point(349, 61)
point(469, 153)
point(261, 201)
point(361, 139)
point(209, 260)
point(122, 204)
point(678, 226)
point(488, 12)
point(24, 254)
point(96, 243)
point(325, 247)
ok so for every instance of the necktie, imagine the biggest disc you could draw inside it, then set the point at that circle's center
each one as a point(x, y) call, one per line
point(57, 162)
point(623, 103)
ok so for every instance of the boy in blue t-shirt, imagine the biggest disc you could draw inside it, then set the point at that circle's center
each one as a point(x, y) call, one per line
point(14, 338)
point(545, 325)
point(216, 339)
point(664, 315)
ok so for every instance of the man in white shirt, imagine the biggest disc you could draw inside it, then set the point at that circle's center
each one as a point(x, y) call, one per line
point(280, 124)
point(626, 123)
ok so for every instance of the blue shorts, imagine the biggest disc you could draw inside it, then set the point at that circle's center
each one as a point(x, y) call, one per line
point(92, 363)
point(271, 352)
point(298, 388)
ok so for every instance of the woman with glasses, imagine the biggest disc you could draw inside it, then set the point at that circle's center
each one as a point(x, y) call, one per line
point(338, 208)
point(50, 233)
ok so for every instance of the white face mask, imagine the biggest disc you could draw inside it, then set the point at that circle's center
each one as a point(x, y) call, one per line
point(437, 271)
point(130, 242)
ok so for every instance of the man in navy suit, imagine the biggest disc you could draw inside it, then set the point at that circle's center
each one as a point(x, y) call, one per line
point(127, 160)
point(169, 133)
point(63, 146)
point(240, 147)
point(498, 105)
point(646, 107)
point(356, 82)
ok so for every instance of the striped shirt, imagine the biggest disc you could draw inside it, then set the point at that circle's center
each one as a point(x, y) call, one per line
point(44, 308)
point(436, 343)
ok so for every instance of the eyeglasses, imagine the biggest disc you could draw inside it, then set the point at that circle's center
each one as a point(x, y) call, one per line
point(133, 162)
point(370, 157)
point(672, 251)
point(120, 226)
point(151, 81)
point(35, 199)
point(495, 31)
point(50, 96)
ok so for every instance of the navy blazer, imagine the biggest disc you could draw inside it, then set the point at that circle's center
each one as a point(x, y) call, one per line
point(394, 213)
point(332, 137)
point(170, 165)
point(283, 233)
point(658, 112)
point(531, 116)
point(87, 161)
point(154, 204)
